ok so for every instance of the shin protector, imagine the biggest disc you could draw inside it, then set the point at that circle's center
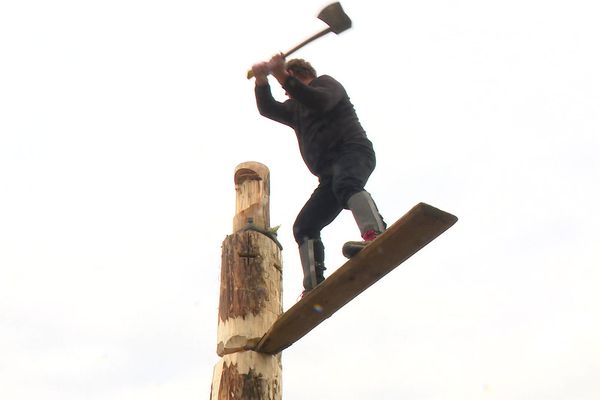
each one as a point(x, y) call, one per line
point(312, 257)
point(369, 221)
point(366, 214)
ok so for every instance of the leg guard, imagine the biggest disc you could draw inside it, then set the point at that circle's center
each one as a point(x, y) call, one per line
point(312, 256)
point(369, 221)
point(366, 214)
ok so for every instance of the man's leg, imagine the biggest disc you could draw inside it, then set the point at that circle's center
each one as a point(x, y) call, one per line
point(318, 212)
point(369, 221)
point(351, 172)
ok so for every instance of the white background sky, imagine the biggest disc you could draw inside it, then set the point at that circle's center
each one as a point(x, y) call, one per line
point(121, 123)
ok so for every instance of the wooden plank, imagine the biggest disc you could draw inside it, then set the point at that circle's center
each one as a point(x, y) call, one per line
point(422, 224)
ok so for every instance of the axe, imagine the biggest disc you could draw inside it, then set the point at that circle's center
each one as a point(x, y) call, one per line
point(336, 19)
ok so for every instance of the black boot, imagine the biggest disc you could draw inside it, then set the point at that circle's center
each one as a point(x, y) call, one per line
point(369, 221)
point(312, 258)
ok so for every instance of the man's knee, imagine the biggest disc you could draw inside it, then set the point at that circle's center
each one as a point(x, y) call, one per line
point(346, 188)
point(302, 233)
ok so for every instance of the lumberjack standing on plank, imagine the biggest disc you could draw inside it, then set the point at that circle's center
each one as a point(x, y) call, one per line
point(334, 147)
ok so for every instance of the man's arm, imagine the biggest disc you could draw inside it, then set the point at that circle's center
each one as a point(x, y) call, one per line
point(271, 108)
point(265, 102)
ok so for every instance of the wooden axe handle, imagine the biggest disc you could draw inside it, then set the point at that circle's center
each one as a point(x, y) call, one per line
point(317, 35)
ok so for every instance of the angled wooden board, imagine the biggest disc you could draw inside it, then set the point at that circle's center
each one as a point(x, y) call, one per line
point(422, 224)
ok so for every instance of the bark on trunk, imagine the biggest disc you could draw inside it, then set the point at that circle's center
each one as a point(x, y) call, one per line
point(247, 375)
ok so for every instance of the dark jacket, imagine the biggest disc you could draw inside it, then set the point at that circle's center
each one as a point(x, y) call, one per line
point(322, 116)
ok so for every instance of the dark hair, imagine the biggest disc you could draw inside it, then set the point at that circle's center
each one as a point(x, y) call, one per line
point(301, 67)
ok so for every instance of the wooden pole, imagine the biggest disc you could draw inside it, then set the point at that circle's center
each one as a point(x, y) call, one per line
point(250, 296)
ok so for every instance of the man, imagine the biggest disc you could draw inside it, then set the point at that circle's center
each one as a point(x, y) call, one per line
point(334, 147)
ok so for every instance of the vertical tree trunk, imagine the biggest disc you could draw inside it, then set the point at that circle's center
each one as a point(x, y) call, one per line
point(250, 297)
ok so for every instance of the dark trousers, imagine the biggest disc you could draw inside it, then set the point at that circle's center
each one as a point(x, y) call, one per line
point(347, 175)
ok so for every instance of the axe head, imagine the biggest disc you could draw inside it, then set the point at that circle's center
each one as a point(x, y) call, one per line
point(334, 16)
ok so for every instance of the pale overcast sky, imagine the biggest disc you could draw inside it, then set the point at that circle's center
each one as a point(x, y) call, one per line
point(121, 124)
